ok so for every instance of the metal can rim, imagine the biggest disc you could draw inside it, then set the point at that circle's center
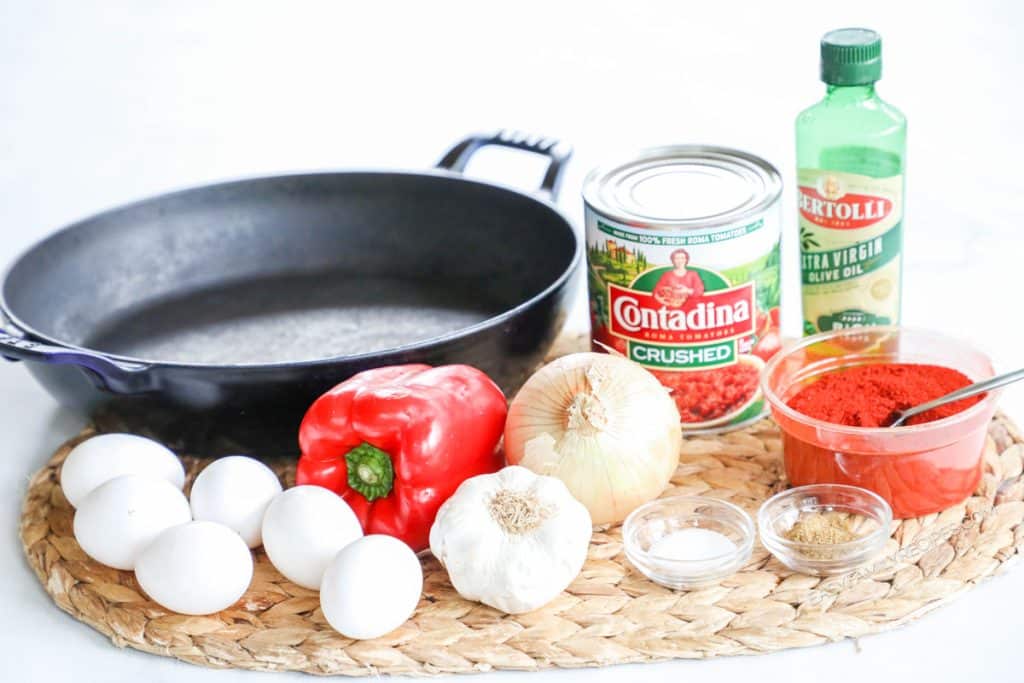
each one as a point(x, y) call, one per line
point(765, 170)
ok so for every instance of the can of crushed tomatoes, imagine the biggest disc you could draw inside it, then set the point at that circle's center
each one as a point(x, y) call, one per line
point(683, 273)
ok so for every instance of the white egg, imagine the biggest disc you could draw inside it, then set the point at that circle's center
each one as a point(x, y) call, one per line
point(195, 568)
point(371, 587)
point(101, 458)
point(122, 516)
point(303, 529)
point(235, 491)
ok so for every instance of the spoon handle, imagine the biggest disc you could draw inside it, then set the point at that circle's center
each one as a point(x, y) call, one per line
point(964, 392)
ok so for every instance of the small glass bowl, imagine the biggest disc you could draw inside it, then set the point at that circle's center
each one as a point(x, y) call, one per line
point(780, 512)
point(657, 519)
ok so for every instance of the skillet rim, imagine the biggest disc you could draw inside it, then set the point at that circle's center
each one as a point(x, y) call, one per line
point(425, 344)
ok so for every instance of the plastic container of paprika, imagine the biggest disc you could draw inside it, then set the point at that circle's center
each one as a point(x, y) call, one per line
point(917, 469)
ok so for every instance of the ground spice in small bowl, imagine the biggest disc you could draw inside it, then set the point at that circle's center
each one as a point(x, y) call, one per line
point(825, 528)
point(817, 527)
point(873, 395)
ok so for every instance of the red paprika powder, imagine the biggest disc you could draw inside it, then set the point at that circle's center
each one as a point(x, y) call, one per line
point(873, 395)
point(914, 482)
point(830, 394)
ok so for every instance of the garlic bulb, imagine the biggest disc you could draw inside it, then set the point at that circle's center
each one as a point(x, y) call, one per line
point(603, 425)
point(512, 540)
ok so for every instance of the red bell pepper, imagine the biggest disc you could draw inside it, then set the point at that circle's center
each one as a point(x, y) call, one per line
point(396, 442)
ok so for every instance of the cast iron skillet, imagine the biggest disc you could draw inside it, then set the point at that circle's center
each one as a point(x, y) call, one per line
point(212, 317)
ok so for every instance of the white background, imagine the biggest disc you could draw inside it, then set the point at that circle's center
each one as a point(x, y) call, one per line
point(105, 102)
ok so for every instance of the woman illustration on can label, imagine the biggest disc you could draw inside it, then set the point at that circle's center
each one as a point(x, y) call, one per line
point(677, 285)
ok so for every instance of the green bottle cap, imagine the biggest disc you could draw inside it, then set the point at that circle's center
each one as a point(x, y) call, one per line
point(851, 56)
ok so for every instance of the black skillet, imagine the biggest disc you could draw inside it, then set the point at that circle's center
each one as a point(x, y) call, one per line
point(212, 317)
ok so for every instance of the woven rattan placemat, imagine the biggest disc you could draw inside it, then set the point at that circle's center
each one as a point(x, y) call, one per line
point(611, 614)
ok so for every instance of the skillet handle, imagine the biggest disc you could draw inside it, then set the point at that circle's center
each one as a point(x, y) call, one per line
point(558, 152)
point(107, 374)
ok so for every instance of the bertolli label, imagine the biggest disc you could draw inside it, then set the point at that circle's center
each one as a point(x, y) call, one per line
point(851, 239)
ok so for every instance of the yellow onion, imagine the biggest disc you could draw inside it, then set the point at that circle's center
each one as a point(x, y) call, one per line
point(603, 425)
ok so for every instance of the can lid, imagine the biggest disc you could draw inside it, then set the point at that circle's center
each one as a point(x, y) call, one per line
point(683, 186)
point(851, 56)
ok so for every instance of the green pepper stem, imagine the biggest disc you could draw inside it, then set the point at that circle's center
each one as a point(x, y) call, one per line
point(370, 471)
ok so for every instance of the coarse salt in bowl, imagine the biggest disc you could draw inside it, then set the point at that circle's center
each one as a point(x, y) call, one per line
point(686, 542)
point(918, 469)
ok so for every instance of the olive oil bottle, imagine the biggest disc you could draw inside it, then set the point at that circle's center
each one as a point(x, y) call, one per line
point(851, 160)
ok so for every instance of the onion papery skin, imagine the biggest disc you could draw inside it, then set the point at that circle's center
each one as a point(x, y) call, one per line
point(603, 425)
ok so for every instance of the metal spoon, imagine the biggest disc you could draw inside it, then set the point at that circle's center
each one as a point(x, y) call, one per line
point(964, 392)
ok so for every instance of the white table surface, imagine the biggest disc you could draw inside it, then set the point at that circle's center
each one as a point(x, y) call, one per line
point(101, 103)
